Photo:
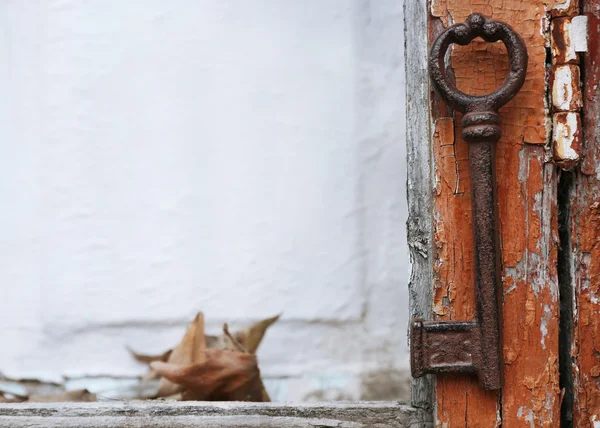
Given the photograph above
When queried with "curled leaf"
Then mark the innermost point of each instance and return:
(251, 337)
(231, 343)
(189, 351)
(234, 344)
(224, 376)
(147, 359)
(196, 351)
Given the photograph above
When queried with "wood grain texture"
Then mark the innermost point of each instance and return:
(528, 222)
(420, 220)
(585, 233)
(214, 415)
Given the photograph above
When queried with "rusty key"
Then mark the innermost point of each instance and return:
(474, 346)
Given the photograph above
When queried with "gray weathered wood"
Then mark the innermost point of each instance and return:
(218, 415)
(420, 178)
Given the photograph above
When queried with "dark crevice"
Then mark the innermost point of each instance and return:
(548, 62)
(565, 287)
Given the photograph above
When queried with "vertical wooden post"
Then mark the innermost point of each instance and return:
(420, 220)
(527, 192)
(585, 238)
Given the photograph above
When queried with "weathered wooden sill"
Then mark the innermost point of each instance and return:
(203, 414)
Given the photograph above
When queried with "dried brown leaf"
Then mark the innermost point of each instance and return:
(215, 342)
(231, 344)
(251, 337)
(78, 395)
(224, 376)
(147, 359)
(237, 346)
(189, 351)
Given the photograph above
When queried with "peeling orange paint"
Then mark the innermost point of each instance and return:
(528, 224)
(439, 10)
(585, 230)
(586, 349)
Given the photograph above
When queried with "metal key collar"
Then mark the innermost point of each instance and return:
(474, 346)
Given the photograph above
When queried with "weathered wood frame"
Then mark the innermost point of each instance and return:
(420, 179)
(549, 221)
(331, 414)
(214, 415)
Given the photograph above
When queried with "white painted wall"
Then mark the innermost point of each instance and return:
(243, 158)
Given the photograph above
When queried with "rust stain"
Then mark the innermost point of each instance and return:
(591, 85)
(562, 47)
(565, 8)
(528, 223)
(585, 229)
(566, 139)
(593, 55)
(565, 88)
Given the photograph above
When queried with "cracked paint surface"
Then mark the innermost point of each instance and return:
(585, 230)
(528, 223)
(566, 138)
(565, 88)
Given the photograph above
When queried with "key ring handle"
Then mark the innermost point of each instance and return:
(477, 25)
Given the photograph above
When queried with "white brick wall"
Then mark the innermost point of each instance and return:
(243, 158)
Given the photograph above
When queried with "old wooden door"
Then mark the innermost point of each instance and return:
(548, 180)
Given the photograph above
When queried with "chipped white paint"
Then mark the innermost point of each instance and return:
(565, 6)
(546, 318)
(569, 52)
(433, 7)
(547, 119)
(579, 33)
(241, 158)
(566, 92)
(511, 288)
(562, 88)
(545, 29)
(564, 136)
